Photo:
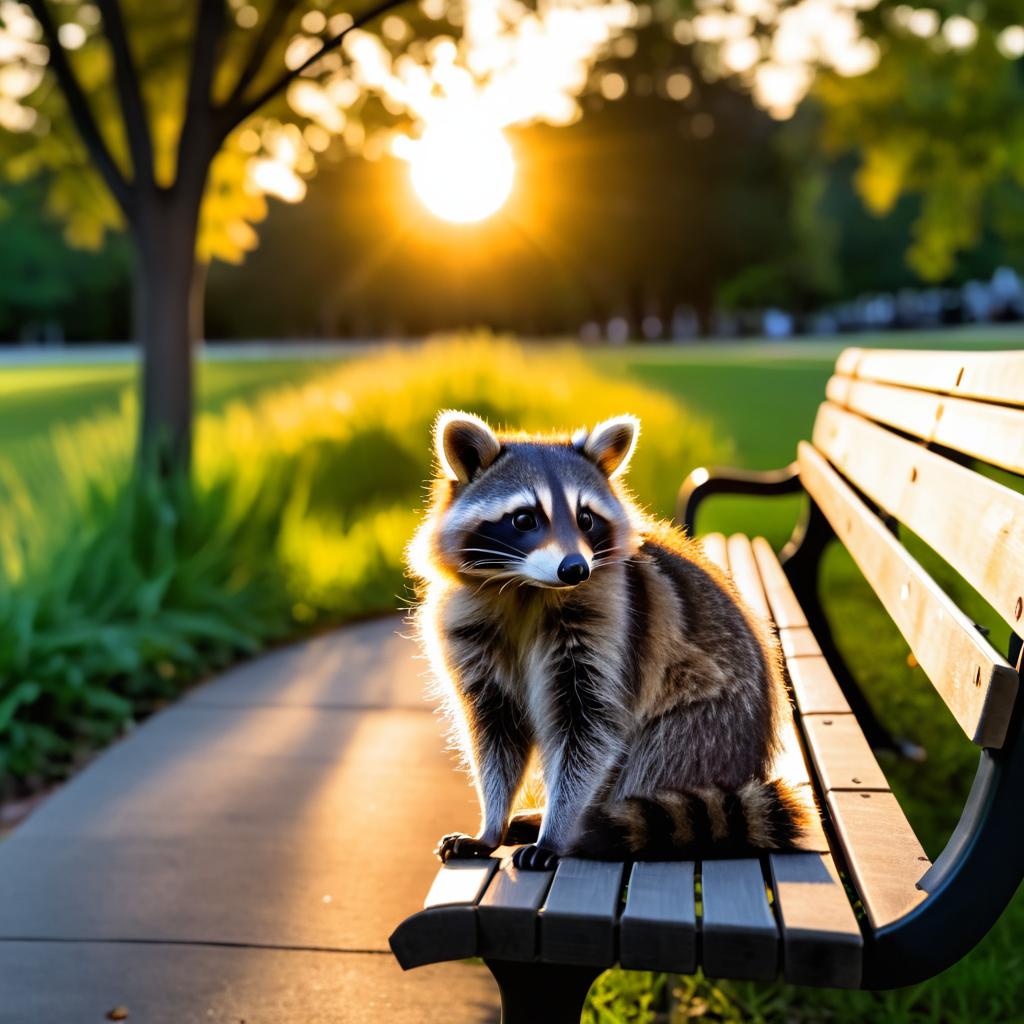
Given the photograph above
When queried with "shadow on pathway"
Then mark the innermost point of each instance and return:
(243, 855)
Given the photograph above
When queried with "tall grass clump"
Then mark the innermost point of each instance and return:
(116, 589)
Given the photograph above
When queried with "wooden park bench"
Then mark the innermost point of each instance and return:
(897, 441)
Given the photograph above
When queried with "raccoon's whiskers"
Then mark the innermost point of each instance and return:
(509, 576)
(517, 556)
(603, 563)
(505, 544)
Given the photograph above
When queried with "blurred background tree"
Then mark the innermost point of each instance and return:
(931, 98)
(115, 148)
(674, 203)
(175, 122)
(675, 200)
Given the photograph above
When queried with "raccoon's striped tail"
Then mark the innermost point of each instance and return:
(669, 825)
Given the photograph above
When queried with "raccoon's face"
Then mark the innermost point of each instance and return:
(528, 511)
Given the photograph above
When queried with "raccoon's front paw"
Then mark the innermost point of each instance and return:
(534, 858)
(459, 846)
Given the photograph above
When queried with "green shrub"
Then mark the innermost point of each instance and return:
(116, 590)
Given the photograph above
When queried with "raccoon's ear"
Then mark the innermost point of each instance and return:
(610, 444)
(465, 445)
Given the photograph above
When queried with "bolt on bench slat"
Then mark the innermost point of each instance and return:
(882, 852)
(841, 754)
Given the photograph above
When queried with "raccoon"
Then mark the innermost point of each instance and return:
(565, 623)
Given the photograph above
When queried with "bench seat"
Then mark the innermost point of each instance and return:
(781, 914)
(919, 442)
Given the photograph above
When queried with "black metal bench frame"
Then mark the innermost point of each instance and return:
(982, 865)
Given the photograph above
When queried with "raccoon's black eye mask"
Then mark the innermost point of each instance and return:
(503, 542)
(509, 540)
(599, 535)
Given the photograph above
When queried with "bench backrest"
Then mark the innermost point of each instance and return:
(901, 429)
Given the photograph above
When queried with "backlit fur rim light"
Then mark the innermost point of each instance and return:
(588, 440)
(441, 424)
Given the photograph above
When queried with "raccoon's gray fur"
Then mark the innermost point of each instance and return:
(563, 620)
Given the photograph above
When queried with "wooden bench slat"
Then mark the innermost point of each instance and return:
(714, 545)
(744, 571)
(799, 642)
(989, 376)
(790, 764)
(658, 927)
(815, 687)
(785, 607)
(460, 881)
(882, 852)
(992, 433)
(841, 753)
(821, 940)
(791, 767)
(578, 919)
(507, 913)
(739, 933)
(975, 524)
(446, 928)
(739, 936)
(976, 683)
(913, 412)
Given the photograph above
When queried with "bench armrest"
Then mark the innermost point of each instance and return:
(702, 483)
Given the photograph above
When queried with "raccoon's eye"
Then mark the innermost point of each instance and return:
(524, 520)
(585, 520)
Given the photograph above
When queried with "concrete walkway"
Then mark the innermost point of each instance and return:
(244, 855)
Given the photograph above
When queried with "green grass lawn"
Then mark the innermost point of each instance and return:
(762, 399)
(34, 398)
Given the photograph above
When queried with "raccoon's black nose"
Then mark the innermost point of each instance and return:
(573, 570)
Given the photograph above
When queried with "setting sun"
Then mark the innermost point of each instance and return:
(462, 173)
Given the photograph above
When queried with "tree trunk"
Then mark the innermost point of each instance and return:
(166, 301)
(197, 302)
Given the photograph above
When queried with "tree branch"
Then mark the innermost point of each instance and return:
(245, 108)
(133, 110)
(197, 143)
(266, 38)
(81, 112)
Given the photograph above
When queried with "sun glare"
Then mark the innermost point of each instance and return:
(462, 172)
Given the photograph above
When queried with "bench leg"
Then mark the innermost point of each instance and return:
(533, 993)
